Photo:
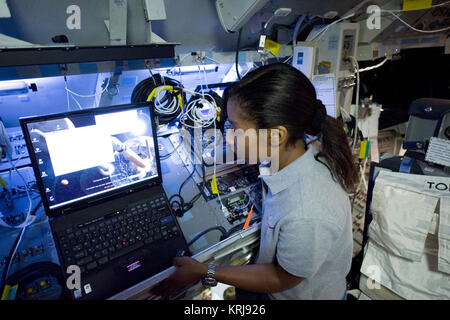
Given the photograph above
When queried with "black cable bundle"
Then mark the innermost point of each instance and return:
(144, 88)
(180, 206)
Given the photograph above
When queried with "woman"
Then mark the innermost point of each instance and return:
(306, 231)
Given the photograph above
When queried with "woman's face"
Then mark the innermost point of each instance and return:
(248, 143)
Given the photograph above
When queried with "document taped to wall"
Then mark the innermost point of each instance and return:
(326, 92)
(438, 151)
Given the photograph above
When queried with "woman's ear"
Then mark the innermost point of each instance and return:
(278, 136)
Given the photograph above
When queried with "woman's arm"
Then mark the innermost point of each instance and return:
(260, 278)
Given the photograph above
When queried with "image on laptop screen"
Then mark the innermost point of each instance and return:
(83, 155)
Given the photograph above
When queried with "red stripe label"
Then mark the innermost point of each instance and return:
(134, 266)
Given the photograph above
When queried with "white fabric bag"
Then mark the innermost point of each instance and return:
(402, 213)
(444, 236)
(409, 279)
(408, 241)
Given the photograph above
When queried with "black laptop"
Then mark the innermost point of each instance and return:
(99, 176)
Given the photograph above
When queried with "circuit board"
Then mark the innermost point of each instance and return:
(239, 204)
(228, 183)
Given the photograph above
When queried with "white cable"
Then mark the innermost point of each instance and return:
(206, 78)
(324, 30)
(222, 207)
(191, 92)
(297, 27)
(267, 23)
(78, 104)
(415, 29)
(23, 225)
(215, 61)
(27, 220)
(178, 64)
(67, 94)
(89, 95)
(169, 108)
(211, 116)
(17, 160)
(375, 66)
(201, 85)
(355, 63)
(193, 110)
(153, 77)
(194, 113)
(440, 4)
(363, 178)
(362, 170)
(286, 61)
(8, 267)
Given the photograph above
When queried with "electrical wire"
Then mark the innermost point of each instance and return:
(76, 101)
(182, 204)
(10, 258)
(237, 53)
(440, 4)
(168, 155)
(411, 27)
(288, 59)
(201, 83)
(67, 93)
(195, 110)
(248, 202)
(211, 59)
(201, 234)
(239, 227)
(296, 30)
(433, 6)
(13, 252)
(375, 66)
(169, 72)
(72, 94)
(205, 76)
(325, 29)
(362, 179)
(167, 107)
(178, 195)
(23, 226)
(363, 170)
(356, 66)
(222, 207)
(27, 220)
(171, 107)
(89, 95)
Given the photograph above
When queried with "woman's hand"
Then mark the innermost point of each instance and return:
(187, 272)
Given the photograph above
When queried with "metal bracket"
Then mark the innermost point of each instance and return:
(117, 23)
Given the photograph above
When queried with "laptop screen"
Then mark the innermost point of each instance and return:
(84, 154)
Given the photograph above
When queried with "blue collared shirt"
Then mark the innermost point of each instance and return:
(307, 228)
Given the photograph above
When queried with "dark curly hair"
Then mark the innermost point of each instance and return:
(280, 95)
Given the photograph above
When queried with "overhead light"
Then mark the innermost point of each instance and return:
(9, 88)
(193, 69)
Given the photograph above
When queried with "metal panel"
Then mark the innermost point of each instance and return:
(70, 54)
(118, 22)
(193, 23)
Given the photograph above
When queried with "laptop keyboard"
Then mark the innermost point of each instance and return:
(92, 244)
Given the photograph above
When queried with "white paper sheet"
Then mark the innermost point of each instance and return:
(326, 91)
